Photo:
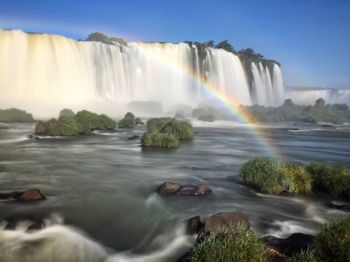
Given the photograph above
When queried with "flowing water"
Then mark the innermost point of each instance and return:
(101, 204)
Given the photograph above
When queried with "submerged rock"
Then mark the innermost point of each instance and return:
(134, 137)
(223, 220)
(29, 195)
(290, 245)
(194, 225)
(171, 188)
(339, 205)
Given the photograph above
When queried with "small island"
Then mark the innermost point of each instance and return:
(14, 115)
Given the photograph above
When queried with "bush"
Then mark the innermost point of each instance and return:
(139, 122)
(300, 179)
(331, 179)
(333, 242)
(67, 126)
(14, 115)
(83, 123)
(66, 112)
(238, 244)
(129, 121)
(155, 139)
(266, 175)
(307, 255)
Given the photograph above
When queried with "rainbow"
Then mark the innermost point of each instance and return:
(228, 102)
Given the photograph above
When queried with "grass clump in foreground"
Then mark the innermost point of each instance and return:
(300, 179)
(331, 179)
(166, 132)
(333, 242)
(83, 123)
(238, 244)
(308, 255)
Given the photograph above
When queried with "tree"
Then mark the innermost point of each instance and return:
(226, 46)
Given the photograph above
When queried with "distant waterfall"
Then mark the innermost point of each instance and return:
(41, 72)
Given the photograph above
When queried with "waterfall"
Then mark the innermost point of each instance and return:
(44, 73)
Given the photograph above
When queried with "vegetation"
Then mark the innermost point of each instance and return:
(14, 115)
(66, 112)
(100, 37)
(206, 118)
(166, 132)
(300, 179)
(238, 244)
(288, 111)
(333, 242)
(129, 121)
(308, 255)
(83, 123)
(331, 179)
(266, 175)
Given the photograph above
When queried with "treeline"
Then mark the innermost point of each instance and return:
(288, 111)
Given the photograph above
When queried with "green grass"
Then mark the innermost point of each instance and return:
(238, 244)
(155, 139)
(300, 179)
(308, 255)
(266, 175)
(333, 242)
(331, 179)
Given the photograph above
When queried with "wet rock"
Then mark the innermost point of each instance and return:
(223, 220)
(339, 205)
(194, 225)
(276, 256)
(170, 188)
(29, 195)
(33, 137)
(290, 245)
(134, 137)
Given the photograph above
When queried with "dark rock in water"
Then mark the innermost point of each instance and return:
(33, 137)
(29, 195)
(290, 245)
(194, 225)
(223, 220)
(170, 188)
(134, 137)
(339, 205)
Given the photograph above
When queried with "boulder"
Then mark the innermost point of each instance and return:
(290, 245)
(29, 195)
(170, 188)
(339, 205)
(134, 137)
(223, 220)
(194, 225)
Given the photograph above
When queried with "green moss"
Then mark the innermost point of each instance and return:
(66, 112)
(238, 244)
(14, 115)
(331, 179)
(266, 175)
(333, 242)
(300, 179)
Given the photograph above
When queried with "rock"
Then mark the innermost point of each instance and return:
(170, 188)
(290, 245)
(194, 225)
(134, 137)
(25, 196)
(222, 220)
(276, 256)
(339, 205)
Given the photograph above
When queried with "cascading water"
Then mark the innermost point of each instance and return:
(44, 73)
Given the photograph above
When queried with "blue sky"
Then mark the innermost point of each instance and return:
(311, 38)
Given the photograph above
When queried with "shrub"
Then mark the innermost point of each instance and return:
(40, 128)
(129, 121)
(139, 122)
(106, 123)
(300, 179)
(265, 174)
(67, 126)
(51, 127)
(331, 179)
(87, 121)
(238, 244)
(333, 242)
(307, 255)
(155, 139)
(66, 112)
(14, 115)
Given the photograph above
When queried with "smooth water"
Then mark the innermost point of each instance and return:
(101, 203)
